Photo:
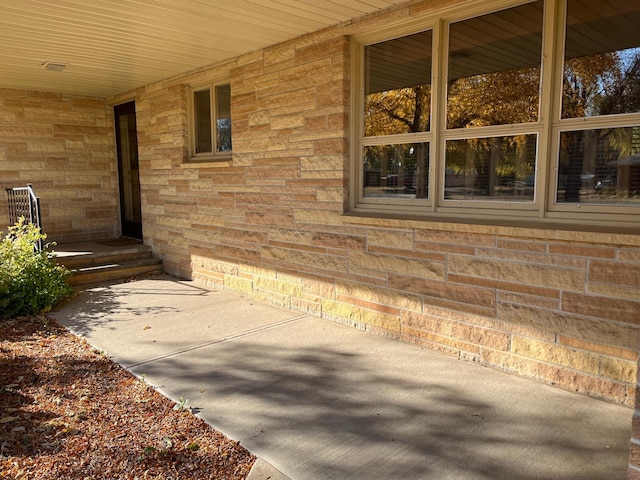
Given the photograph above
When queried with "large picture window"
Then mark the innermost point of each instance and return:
(501, 114)
(211, 122)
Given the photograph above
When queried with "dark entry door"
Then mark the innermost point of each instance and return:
(127, 147)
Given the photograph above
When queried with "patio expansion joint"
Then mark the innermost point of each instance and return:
(230, 338)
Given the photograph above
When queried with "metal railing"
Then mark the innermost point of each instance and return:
(23, 202)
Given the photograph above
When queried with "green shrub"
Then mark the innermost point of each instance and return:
(30, 281)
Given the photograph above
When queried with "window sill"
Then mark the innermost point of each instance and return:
(208, 163)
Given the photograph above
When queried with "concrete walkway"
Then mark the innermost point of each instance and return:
(317, 400)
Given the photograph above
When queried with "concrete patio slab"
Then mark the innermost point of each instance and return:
(318, 400)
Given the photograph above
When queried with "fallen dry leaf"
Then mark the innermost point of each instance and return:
(76, 415)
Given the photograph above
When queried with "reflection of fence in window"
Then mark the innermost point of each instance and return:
(599, 166)
(396, 170)
(493, 168)
(223, 132)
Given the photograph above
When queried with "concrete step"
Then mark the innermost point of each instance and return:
(116, 259)
(118, 270)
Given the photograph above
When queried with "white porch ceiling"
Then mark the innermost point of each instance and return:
(112, 46)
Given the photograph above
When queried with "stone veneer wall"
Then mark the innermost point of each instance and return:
(557, 306)
(64, 146)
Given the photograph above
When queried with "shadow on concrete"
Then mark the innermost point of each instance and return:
(348, 419)
(321, 401)
(101, 306)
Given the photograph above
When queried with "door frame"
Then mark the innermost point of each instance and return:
(129, 187)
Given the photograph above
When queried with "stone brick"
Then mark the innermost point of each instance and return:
(545, 276)
(353, 312)
(622, 370)
(279, 54)
(469, 334)
(506, 286)
(280, 220)
(608, 290)
(312, 307)
(622, 353)
(316, 216)
(391, 251)
(335, 240)
(278, 286)
(280, 122)
(535, 258)
(334, 46)
(601, 307)
(243, 235)
(434, 341)
(534, 301)
(444, 248)
(524, 245)
(319, 289)
(455, 238)
(311, 74)
(559, 355)
(425, 269)
(337, 96)
(329, 194)
(440, 289)
(237, 284)
(566, 378)
(376, 295)
(582, 250)
(237, 253)
(616, 273)
(590, 329)
(629, 256)
(394, 238)
(330, 263)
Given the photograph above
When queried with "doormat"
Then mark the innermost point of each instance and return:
(119, 242)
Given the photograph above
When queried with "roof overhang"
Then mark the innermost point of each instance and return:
(101, 48)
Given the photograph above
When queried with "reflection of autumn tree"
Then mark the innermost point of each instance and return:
(405, 110)
(624, 93)
(599, 84)
(587, 81)
(484, 162)
(499, 98)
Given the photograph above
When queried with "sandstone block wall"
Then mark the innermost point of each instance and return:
(561, 307)
(65, 147)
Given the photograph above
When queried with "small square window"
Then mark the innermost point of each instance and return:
(211, 122)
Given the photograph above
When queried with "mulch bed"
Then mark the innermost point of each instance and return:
(68, 412)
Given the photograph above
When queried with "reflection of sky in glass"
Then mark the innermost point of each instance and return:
(602, 84)
(627, 58)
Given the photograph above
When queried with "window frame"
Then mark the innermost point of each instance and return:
(213, 155)
(547, 128)
(559, 125)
